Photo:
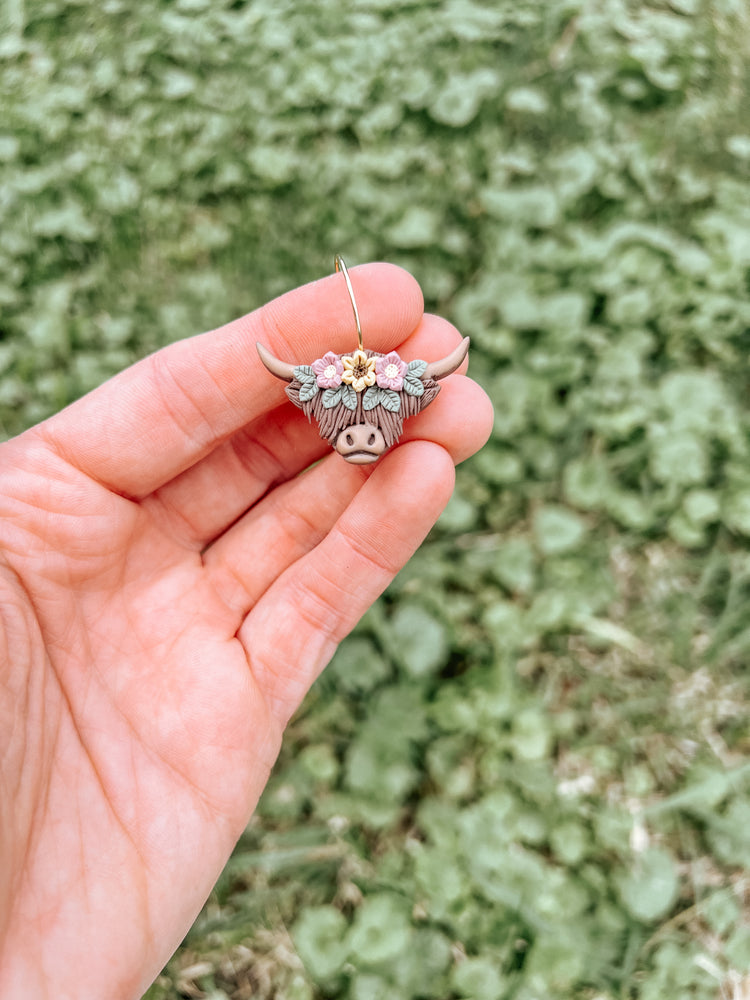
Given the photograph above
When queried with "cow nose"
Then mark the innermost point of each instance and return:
(360, 443)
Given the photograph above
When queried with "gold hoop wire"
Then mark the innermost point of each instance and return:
(338, 261)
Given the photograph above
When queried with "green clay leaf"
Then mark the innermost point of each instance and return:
(375, 396)
(417, 367)
(371, 398)
(331, 397)
(413, 384)
(304, 374)
(390, 400)
(308, 391)
(348, 397)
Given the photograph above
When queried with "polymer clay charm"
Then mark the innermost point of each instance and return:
(360, 400)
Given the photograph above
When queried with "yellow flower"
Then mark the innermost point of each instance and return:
(359, 370)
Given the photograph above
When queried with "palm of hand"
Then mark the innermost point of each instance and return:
(168, 594)
(137, 707)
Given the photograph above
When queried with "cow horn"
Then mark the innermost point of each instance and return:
(281, 369)
(440, 369)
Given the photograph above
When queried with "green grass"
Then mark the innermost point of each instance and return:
(524, 776)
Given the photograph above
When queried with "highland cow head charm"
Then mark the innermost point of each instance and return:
(360, 400)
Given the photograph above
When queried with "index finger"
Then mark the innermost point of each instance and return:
(143, 427)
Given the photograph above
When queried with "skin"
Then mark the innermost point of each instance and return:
(171, 584)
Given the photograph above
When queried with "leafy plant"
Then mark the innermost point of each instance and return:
(524, 774)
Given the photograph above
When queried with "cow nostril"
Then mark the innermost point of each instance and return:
(371, 440)
(349, 440)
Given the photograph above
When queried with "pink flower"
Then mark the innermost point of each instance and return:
(390, 371)
(328, 370)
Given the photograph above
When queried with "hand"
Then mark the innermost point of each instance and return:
(170, 587)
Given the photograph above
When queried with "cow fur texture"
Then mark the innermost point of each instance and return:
(336, 419)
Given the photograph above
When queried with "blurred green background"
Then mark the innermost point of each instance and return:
(525, 775)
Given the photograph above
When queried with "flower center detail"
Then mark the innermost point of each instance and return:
(330, 372)
(391, 371)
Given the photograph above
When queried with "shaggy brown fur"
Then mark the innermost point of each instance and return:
(331, 422)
